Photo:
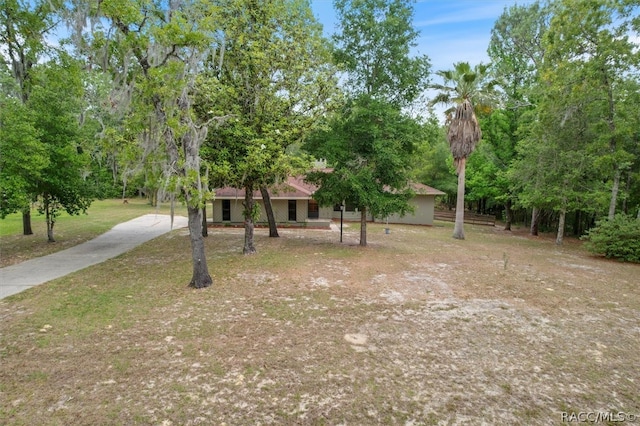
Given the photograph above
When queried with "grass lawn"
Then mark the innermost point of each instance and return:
(417, 328)
(68, 230)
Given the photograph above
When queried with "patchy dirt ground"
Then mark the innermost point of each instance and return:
(415, 329)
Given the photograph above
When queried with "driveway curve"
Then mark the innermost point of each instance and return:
(120, 239)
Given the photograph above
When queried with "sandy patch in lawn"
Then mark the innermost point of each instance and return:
(492, 330)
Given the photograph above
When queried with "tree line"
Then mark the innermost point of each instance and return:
(179, 97)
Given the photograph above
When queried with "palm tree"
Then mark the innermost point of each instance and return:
(464, 86)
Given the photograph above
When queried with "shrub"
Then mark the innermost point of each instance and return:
(617, 239)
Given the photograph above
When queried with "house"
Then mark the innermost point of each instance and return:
(293, 205)
(423, 203)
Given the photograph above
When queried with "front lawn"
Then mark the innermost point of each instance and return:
(417, 328)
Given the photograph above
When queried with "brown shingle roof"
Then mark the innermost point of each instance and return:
(293, 188)
(297, 188)
(423, 189)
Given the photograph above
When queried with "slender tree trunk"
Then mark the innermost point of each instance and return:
(49, 218)
(561, 220)
(614, 192)
(612, 144)
(124, 190)
(508, 214)
(625, 206)
(249, 203)
(205, 228)
(266, 198)
(535, 219)
(363, 227)
(458, 229)
(26, 221)
(201, 277)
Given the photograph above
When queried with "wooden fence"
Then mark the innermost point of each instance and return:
(469, 217)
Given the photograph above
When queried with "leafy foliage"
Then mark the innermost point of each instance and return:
(369, 145)
(373, 48)
(55, 101)
(617, 238)
(275, 81)
(432, 163)
(23, 158)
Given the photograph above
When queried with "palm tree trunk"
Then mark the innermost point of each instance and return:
(458, 229)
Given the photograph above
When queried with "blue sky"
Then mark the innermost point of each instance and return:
(450, 30)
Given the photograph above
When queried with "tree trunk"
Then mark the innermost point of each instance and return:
(205, 228)
(535, 218)
(614, 192)
(363, 227)
(201, 277)
(191, 142)
(458, 229)
(560, 234)
(249, 203)
(26, 221)
(508, 215)
(49, 219)
(625, 206)
(266, 198)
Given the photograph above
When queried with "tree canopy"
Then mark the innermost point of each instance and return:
(275, 82)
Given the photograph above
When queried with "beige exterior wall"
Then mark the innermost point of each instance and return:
(326, 212)
(236, 211)
(350, 216)
(423, 215)
(424, 206)
(280, 210)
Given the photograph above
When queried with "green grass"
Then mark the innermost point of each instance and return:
(68, 230)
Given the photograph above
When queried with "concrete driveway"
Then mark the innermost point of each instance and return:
(120, 239)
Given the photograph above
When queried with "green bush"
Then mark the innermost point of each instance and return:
(617, 239)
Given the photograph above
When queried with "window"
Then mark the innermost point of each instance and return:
(349, 207)
(314, 210)
(226, 209)
(293, 216)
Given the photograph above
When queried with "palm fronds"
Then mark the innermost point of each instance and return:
(464, 132)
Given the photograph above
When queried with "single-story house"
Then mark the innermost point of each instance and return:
(293, 205)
